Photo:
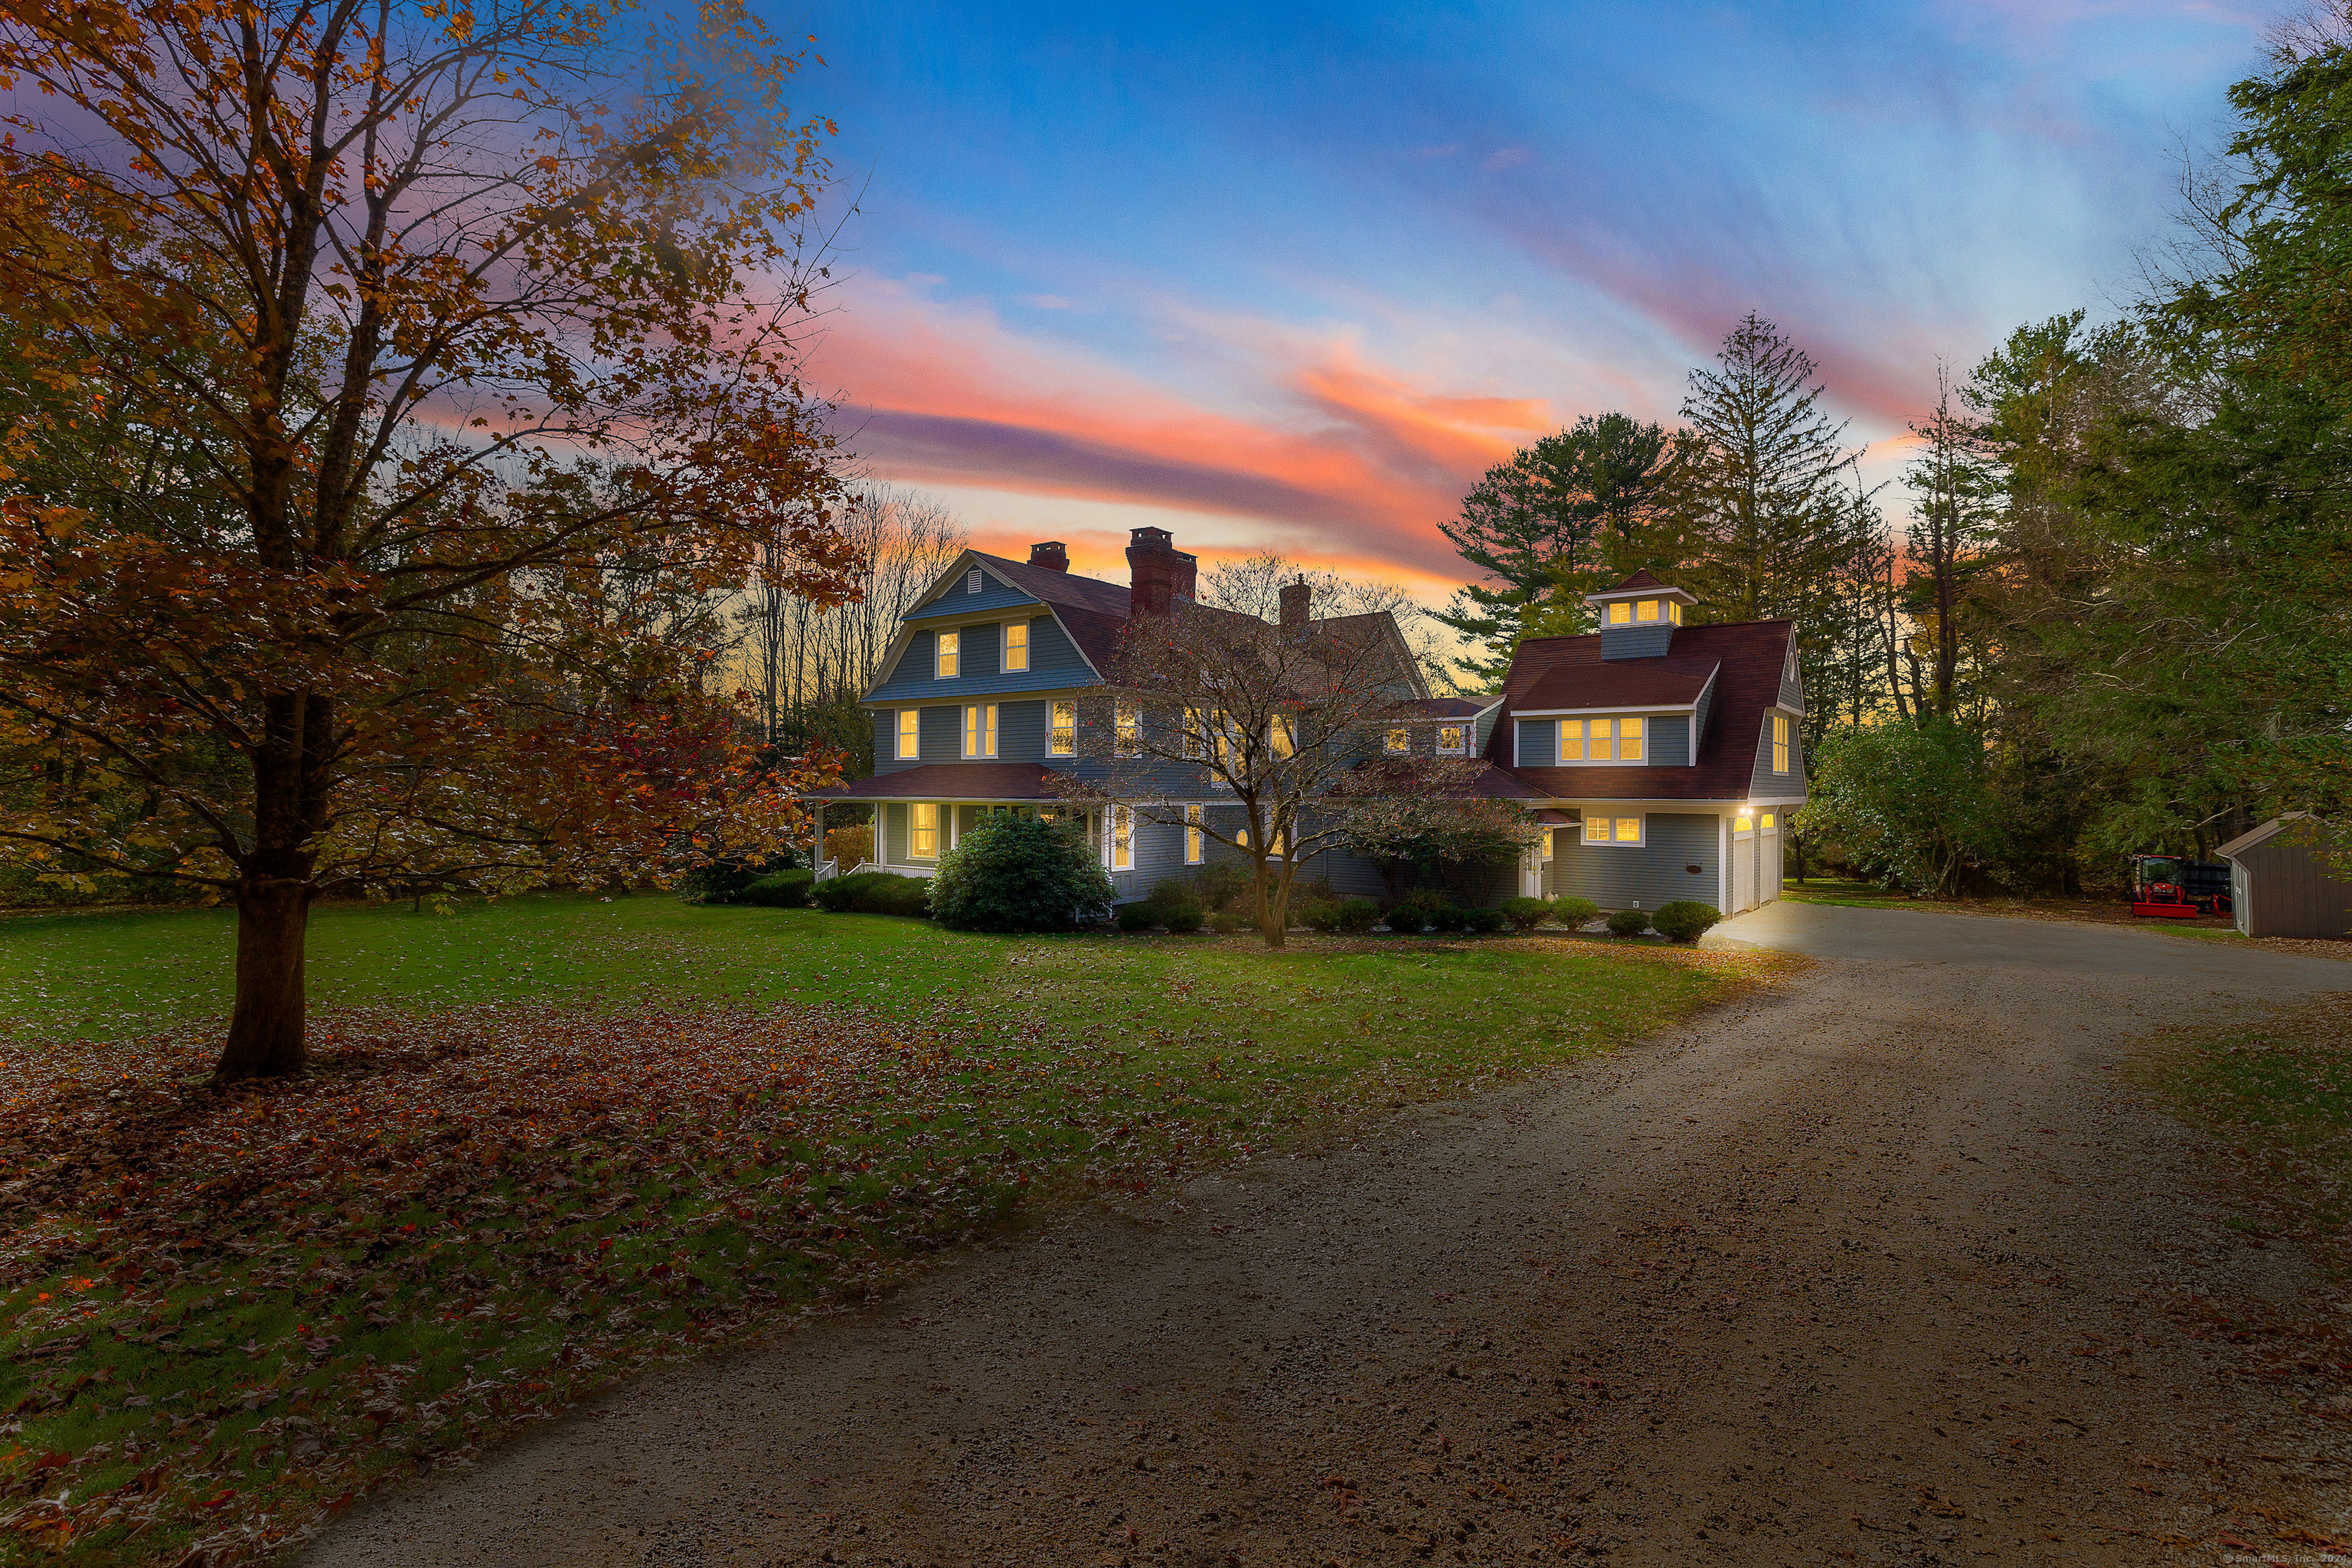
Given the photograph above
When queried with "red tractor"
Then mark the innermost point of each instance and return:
(2170, 888)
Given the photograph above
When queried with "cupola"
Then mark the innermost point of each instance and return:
(1638, 617)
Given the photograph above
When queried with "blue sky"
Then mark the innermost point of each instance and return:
(1295, 277)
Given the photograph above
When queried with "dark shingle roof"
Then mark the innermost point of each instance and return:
(1448, 706)
(1750, 653)
(951, 780)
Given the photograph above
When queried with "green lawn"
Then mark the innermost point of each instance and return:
(2281, 1093)
(551, 1140)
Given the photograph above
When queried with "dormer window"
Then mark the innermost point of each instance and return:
(951, 656)
(1451, 740)
(1647, 610)
(1780, 742)
(971, 581)
(1621, 614)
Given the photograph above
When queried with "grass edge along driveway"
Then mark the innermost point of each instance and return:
(232, 1312)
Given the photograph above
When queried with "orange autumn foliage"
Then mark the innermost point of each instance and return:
(393, 382)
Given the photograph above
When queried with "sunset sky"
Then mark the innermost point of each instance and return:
(1288, 275)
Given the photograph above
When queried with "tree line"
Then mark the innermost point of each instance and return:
(2119, 616)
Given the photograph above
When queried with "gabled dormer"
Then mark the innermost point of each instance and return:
(1638, 617)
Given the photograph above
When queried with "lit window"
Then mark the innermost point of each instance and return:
(971, 581)
(1596, 830)
(1122, 839)
(1629, 830)
(1621, 614)
(1647, 610)
(1780, 742)
(926, 835)
(1196, 843)
(1274, 845)
(1628, 740)
(1061, 739)
(1241, 837)
(1572, 740)
(1449, 741)
(1016, 644)
(1767, 823)
(1130, 731)
(1196, 734)
(979, 730)
(1547, 843)
(1400, 742)
(1604, 742)
(910, 736)
(1674, 611)
(951, 652)
(1282, 734)
(1744, 822)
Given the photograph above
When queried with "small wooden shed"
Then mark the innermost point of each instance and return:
(2281, 884)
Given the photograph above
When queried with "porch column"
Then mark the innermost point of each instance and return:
(816, 845)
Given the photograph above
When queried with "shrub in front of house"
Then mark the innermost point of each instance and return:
(874, 893)
(1220, 885)
(1321, 915)
(1685, 920)
(1357, 916)
(1573, 912)
(781, 890)
(1227, 922)
(1628, 922)
(1483, 921)
(1417, 911)
(1137, 916)
(727, 879)
(1019, 873)
(1182, 919)
(1524, 915)
(1448, 919)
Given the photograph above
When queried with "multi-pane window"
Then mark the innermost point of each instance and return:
(1282, 734)
(1647, 610)
(1400, 742)
(1629, 830)
(1450, 741)
(1196, 734)
(1122, 839)
(910, 733)
(979, 730)
(924, 839)
(1629, 740)
(1129, 739)
(1572, 740)
(1196, 842)
(1062, 735)
(1603, 734)
(951, 656)
(1612, 829)
(1621, 614)
(1274, 845)
(1674, 611)
(1016, 644)
(1780, 742)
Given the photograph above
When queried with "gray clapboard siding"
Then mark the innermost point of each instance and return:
(1055, 665)
(1669, 740)
(954, 599)
(1620, 876)
(1763, 783)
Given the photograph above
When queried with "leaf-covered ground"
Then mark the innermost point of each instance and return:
(231, 1310)
(2282, 1093)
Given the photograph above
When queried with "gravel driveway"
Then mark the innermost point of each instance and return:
(1877, 1268)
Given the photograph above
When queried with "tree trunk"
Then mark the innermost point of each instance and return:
(264, 1029)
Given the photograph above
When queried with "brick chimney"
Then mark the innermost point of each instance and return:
(1295, 597)
(1051, 554)
(1159, 575)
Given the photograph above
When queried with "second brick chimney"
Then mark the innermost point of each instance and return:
(1159, 575)
(1296, 599)
(1051, 554)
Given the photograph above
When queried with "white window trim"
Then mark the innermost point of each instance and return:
(1196, 834)
(1461, 751)
(1053, 749)
(1645, 714)
(979, 719)
(1005, 648)
(899, 737)
(912, 854)
(1612, 841)
(938, 653)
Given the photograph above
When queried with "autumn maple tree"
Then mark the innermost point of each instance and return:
(385, 380)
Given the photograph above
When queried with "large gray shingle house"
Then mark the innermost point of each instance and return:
(1661, 758)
